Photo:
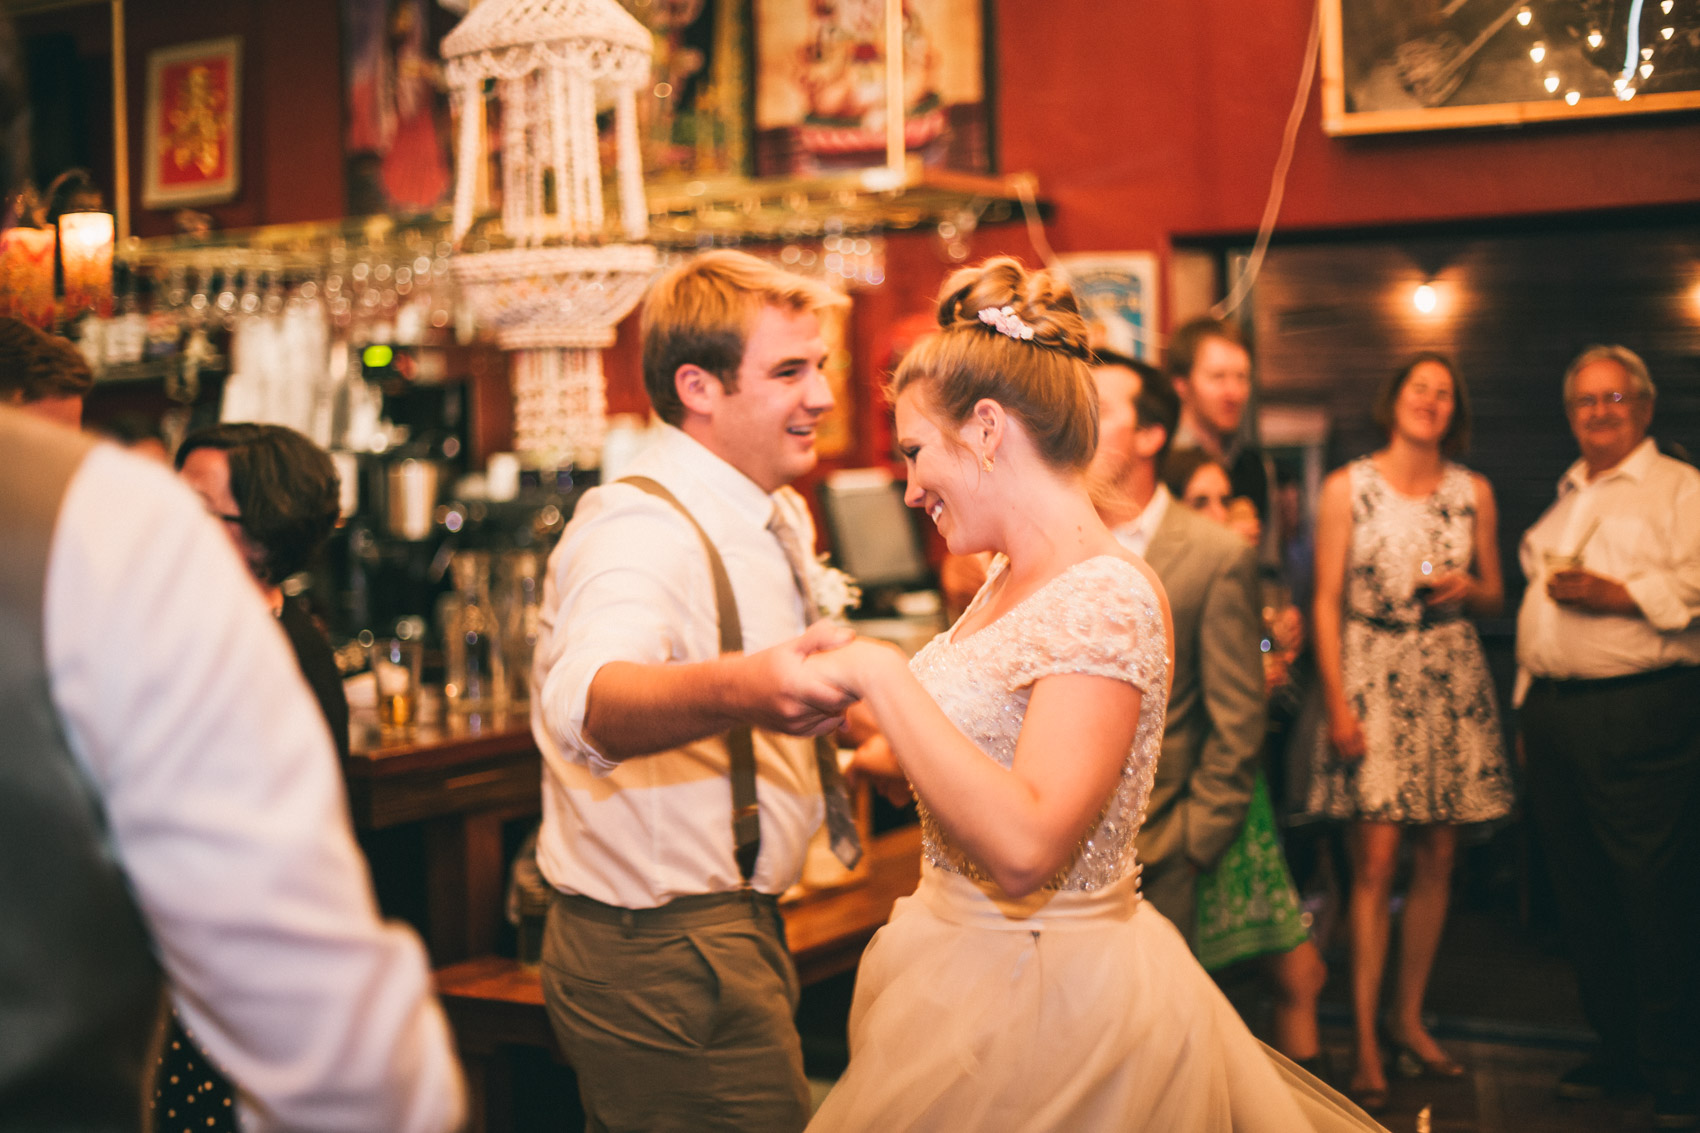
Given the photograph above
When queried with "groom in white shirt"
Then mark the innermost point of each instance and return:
(665, 969)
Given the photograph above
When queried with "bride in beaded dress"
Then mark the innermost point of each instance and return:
(1025, 985)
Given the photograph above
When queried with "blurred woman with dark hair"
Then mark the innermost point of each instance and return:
(275, 491)
(276, 494)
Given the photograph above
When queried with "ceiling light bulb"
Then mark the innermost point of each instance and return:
(1538, 51)
(1424, 298)
(1524, 16)
(1572, 97)
(1595, 38)
(1552, 83)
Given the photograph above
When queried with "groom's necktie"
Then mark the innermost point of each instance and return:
(840, 823)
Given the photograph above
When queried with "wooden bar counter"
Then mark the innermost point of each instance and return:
(461, 778)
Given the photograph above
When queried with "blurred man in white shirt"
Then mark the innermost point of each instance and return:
(1608, 683)
(172, 814)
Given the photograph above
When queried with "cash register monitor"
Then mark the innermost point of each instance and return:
(873, 534)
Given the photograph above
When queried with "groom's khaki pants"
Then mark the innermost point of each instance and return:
(677, 1018)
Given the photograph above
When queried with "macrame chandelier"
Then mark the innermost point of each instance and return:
(565, 274)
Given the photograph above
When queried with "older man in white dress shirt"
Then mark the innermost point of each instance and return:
(665, 968)
(1608, 652)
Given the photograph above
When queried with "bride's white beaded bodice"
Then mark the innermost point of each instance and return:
(1099, 617)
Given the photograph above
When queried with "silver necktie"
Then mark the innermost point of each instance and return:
(840, 822)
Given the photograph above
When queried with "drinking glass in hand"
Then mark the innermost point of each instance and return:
(1422, 589)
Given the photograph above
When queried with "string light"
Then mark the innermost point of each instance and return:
(1666, 6)
(1618, 84)
(1572, 97)
(1666, 33)
(1538, 51)
(1646, 53)
(1595, 38)
(1524, 16)
(1646, 70)
(1552, 82)
(1425, 298)
(1626, 93)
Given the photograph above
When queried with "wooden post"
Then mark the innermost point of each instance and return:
(120, 127)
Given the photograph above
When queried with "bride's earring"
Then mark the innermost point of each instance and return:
(986, 461)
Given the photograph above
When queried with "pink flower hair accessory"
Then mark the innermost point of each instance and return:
(1005, 321)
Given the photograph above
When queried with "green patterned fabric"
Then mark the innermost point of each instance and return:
(1248, 905)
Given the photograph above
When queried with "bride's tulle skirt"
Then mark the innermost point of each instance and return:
(1062, 1011)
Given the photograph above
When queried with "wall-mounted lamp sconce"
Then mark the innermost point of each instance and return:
(72, 204)
(1425, 298)
(26, 275)
(85, 252)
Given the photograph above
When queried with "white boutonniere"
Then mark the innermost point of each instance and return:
(832, 589)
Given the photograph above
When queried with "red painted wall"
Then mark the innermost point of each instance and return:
(292, 117)
(1150, 118)
(1143, 119)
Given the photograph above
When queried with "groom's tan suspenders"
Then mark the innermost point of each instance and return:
(746, 820)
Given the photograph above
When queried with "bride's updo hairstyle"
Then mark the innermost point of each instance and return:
(1015, 336)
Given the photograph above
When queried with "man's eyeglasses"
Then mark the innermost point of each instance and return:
(1590, 401)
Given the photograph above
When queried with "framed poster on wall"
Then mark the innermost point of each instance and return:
(821, 94)
(695, 120)
(1117, 293)
(396, 147)
(193, 143)
(1396, 65)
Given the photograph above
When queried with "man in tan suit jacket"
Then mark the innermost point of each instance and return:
(1215, 724)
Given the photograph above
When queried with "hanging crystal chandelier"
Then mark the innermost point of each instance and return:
(565, 273)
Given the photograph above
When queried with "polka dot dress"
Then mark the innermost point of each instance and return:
(190, 1095)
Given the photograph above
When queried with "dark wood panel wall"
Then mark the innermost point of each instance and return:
(1333, 320)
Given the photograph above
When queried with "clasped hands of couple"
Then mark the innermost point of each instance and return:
(815, 685)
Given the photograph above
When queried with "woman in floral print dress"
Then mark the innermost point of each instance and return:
(1405, 549)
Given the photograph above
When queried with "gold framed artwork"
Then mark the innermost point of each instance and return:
(194, 106)
(820, 93)
(397, 154)
(1400, 65)
(695, 121)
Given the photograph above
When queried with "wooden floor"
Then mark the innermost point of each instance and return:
(1508, 1090)
(1504, 1003)
(1503, 1000)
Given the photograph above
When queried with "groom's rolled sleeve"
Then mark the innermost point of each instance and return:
(625, 575)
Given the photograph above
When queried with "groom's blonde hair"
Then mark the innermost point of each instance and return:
(700, 314)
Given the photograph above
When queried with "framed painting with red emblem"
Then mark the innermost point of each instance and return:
(194, 110)
(821, 88)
